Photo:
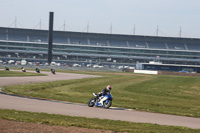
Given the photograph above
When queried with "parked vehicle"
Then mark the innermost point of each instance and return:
(76, 65)
(23, 62)
(11, 62)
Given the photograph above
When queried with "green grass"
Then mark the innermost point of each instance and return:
(4, 73)
(92, 123)
(164, 94)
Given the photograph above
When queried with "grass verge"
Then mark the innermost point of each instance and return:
(4, 73)
(92, 123)
(164, 94)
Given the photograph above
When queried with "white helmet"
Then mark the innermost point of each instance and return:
(109, 87)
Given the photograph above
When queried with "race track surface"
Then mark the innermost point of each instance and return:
(72, 109)
(5, 81)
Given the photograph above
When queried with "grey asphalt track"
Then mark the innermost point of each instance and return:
(66, 108)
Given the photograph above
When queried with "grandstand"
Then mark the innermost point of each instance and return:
(31, 44)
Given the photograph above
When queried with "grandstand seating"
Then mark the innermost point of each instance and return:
(176, 46)
(62, 40)
(193, 46)
(16, 37)
(99, 39)
(157, 45)
(117, 43)
(37, 38)
(3, 36)
(121, 48)
(98, 42)
(137, 44)
(78, 40)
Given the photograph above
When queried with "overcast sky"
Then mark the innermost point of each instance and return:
(169, 15)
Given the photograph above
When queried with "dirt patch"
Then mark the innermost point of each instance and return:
(7, 126)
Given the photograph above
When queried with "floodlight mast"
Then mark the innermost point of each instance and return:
(50, 38)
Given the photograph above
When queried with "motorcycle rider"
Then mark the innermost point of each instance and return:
(104, 92)
(37, 70)
(6, 68)
(53, 71)
(23, 69)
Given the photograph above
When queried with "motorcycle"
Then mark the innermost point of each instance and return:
(96, 101)
(37, 70)
(23, 69)
(6, 68)
(53, 71)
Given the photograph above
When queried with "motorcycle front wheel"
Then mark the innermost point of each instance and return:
(91, 102)
(107, 104)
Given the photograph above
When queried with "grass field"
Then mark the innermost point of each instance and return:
(4, 73)
(92, 123)
(164, 94)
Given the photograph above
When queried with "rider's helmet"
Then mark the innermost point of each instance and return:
(109, 87)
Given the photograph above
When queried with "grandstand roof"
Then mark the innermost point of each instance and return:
(104, 35)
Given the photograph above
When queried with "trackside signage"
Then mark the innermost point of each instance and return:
(145, 71)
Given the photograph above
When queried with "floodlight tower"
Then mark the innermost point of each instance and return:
(50, 37)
